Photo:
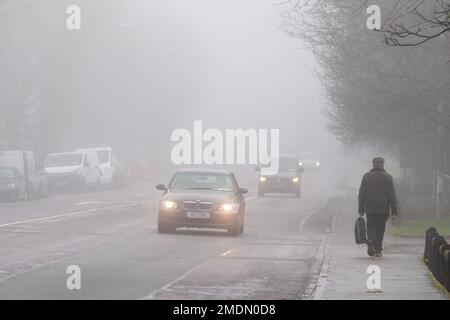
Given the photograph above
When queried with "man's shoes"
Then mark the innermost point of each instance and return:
(378, 254)
(370, 249)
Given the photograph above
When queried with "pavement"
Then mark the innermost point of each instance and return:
(344, 272)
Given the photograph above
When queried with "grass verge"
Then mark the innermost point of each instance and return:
(418, 227)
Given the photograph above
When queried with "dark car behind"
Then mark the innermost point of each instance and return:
(286, 180)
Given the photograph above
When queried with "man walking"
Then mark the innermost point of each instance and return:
(377, 199)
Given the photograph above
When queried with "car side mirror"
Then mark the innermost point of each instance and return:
(161, 187)
(243, 190)
(257, 169)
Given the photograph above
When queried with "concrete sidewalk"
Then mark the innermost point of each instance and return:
(343, 273)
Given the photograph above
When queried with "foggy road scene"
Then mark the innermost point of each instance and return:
(224, 150)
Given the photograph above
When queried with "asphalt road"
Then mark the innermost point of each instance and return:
(111, 235)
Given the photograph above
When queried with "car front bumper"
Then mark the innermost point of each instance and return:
(179, 218)
(275, 186)
(8, 193)
(64, 181)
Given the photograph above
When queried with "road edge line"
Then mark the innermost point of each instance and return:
(317, 285)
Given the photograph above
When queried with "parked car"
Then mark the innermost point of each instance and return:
(13, 186)
(113, 173)
(286, 180)
(139, 170)
(24, 162)
(202, 198)
(73, 170)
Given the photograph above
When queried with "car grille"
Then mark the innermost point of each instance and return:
(280, 180)
(198, 205)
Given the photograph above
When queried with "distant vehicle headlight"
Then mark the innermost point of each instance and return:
(317, 163)
(169, 204)
(296, 179)
(228, 208)
(300, 164)
(77, 171)
(11, 186)
(262, 179)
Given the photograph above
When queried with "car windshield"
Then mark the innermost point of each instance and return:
(103, 156)
(308, 156)
(63, 160)
(6, 173)
(202, 181)
(288, 165)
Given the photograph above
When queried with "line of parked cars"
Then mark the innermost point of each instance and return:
(81, 170)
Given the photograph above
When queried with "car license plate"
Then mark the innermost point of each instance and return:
(198, 215)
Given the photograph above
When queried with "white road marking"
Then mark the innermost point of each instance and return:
(140, 194)
(71, 214)
(153, 294)
(302, 222)
(85, 203)
(228, 252)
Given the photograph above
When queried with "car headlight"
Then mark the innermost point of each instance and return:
(166, 204)
(262, 179)
(317, 163)
(11, 186)
(296, 179)
(228, 208)
(76, 171)
(300, 164)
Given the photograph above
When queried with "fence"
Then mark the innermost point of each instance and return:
(436, 256)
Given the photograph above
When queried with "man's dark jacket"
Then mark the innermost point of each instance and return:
(377, 193)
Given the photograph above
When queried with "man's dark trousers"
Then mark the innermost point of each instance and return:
(376, 225)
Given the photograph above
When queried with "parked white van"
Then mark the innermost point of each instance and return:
(113, 173)
(76, 170)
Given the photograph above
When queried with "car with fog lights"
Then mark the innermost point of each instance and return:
(310, 162)
(286, 180)
(202, 198)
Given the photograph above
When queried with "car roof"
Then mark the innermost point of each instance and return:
(9, 168)
(62, 153)
(15, 171)
(204, 170)
(94, 149)
(287, 156)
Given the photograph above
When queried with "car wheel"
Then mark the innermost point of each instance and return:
(82, 186)
(241, 228)
(165, 228)
(97, 186)
(15, 196)
(44, 192)
(234, 229)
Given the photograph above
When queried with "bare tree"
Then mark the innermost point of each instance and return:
(376, 95)
(415, 22)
